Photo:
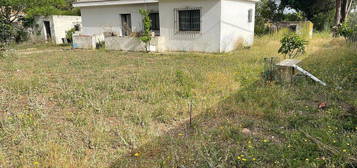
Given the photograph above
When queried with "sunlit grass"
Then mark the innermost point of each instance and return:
(77, 108)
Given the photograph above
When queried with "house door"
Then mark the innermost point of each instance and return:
(126, 24)
(48, 30)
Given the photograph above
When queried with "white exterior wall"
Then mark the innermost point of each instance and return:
(58, 24)
(208, 40)
(99, 19)
(235, 28)
(61, 24)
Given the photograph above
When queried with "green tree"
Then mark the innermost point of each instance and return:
(292, 45)
(12, 11)
(267, 11)
(317, 11)
(146, 35)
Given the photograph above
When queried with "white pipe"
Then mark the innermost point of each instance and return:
(309, 74)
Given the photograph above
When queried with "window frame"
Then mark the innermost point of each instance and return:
(250, 16)
(158, 21)
(177, 20)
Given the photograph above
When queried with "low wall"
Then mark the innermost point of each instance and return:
(86, 42)
(129, 44)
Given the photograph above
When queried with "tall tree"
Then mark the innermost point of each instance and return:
(338, 12)
(310, 8)
(345, 9)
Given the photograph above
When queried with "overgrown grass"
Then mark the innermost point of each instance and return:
(76, 108)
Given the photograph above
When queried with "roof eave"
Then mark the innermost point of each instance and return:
(111, 2)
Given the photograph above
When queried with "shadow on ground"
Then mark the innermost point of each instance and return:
(272, 113)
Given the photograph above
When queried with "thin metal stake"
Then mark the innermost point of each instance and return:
(190, 111)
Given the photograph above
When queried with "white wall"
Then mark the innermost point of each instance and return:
(58, 24)
(101, 19)
(61, 24)
(207, 40)
(235, 29)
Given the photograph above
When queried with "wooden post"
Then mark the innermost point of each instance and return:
(190, 111)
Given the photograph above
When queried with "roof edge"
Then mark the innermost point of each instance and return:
(111, 2)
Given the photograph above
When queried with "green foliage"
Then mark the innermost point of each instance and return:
(69, 34)
(310, 8)
(146, 35)
(23, 11)
(345, 30)
(186, 84)
(267, 11)
(348, 29)
(7, 32)
(292, 45)
(320, 12)
(100, 45)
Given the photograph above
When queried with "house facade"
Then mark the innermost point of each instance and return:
(179, 25)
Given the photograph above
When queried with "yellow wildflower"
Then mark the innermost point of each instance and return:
(36, 163)
(244, 159)
(265, 141)
(344, 150)
(180, 134)
(254, 159)
(137, 154)
(238, 157)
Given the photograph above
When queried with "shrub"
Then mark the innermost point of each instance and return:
(292, 45)
(69, 35)
(348, 29)
(146, 35)
(100, 45)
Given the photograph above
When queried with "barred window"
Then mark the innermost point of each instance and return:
(189, 20)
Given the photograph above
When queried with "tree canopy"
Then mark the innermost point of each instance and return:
(310, 8)
(11, 10)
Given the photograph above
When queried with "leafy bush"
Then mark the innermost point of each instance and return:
(348, 29)
(146, 35)
(69, 35)
(100, 45)
(292, 45)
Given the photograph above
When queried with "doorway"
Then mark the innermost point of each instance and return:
(126, 24)
(47, 29)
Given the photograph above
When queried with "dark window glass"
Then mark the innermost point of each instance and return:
(250, 15)
(155, 21)
(190, 20)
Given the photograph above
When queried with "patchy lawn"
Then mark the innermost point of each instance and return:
(77, 108)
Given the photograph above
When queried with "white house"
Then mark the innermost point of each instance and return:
(180, 25)
(53, 28)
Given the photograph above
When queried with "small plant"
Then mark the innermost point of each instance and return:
(100, 45)
(146, 35)
(69, 35)
(292, 45)
(348, 31)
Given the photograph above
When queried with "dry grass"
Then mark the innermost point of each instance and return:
(76, 108)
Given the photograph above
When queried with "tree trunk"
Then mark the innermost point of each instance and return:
(338, 12)
(345, 9)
